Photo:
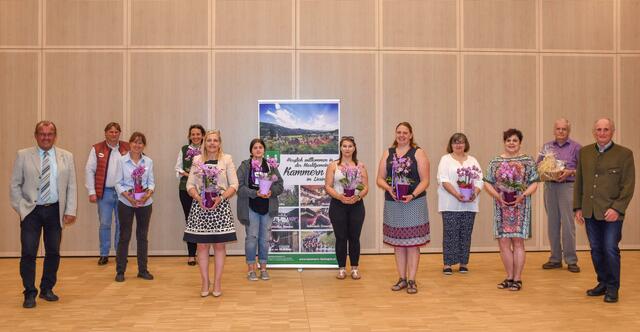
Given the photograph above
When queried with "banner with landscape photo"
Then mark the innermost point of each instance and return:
(304, 136)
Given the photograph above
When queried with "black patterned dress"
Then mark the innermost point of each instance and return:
(210, 226)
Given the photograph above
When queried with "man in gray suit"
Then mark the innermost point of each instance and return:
(43, 192)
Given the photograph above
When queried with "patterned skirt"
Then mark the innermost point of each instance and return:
(210, 226)
(406, 225)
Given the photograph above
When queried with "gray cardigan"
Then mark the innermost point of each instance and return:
(245, 193)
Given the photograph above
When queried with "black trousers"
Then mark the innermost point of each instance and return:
(143, 218)
(347, 220)
(186, 202)
(45, 218)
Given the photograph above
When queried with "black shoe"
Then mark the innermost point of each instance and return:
(599, 290)
(447, 271)
(611, 296)
(48, 295)
(145, 275)
(573, 268)
(103, 260)
(29, 301)
(120, 277)
(552, 265)
(191, 262)
(463, 269)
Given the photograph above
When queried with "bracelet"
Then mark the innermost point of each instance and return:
(412, 195)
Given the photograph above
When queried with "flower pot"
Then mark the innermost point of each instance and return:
(209, 198)
(264, 186)
(402, 189)
(467, 193)
(348, 192)
(509, 196)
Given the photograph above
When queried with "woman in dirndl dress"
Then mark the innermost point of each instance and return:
(211, 227)
(406, 218)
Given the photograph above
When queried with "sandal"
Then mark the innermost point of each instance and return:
(355, 275)
(412, 287)
(516, 285)
(401, 284)
(342, 273)
(506, 283)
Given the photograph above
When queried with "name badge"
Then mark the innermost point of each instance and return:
(100, 155)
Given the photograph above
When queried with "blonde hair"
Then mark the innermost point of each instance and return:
(205, 155)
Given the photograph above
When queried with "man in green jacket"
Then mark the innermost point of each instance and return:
(604, 187)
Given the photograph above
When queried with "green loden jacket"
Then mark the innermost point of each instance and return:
(603, 180)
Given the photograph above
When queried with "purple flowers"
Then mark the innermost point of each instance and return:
(466, 176)
(400, 168)
(256, 167)
(192, 152)
(352, 179)
(509, 177)
(136, 176)
(209, 175)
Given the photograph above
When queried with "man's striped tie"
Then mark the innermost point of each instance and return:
(45, 176)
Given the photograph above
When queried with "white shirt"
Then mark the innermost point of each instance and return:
(92, 164)
(448, 172)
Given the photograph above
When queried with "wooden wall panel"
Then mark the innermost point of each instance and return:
(19, 23)
(580, 88)
(84, 23)
(251, 23)
(419, 24)
(241, 79)
(422, 89)
(170, 23)
(386, 60)
(578, 25)
(490, 106)
(499, 24)
(337, 23)
(627, 127)
(629, 27)
(19, 90)
(168, 92)
(83, 91)
(350, 77)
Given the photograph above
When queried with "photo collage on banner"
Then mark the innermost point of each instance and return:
(303, 136)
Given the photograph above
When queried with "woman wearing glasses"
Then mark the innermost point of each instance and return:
(210, 223)
(403, 173)
(460, 181)
(346, 182)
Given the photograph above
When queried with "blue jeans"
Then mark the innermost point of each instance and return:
(258, 232)
(107, 211)
(605, 254)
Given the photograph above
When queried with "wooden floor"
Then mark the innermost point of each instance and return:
(313, 300)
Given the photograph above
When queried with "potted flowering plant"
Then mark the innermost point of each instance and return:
(265, 180)
(192, 152)
(210, 189)
(136, 175)
(352, 179)
(466, 176)
(400, 181)
(510, 180)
